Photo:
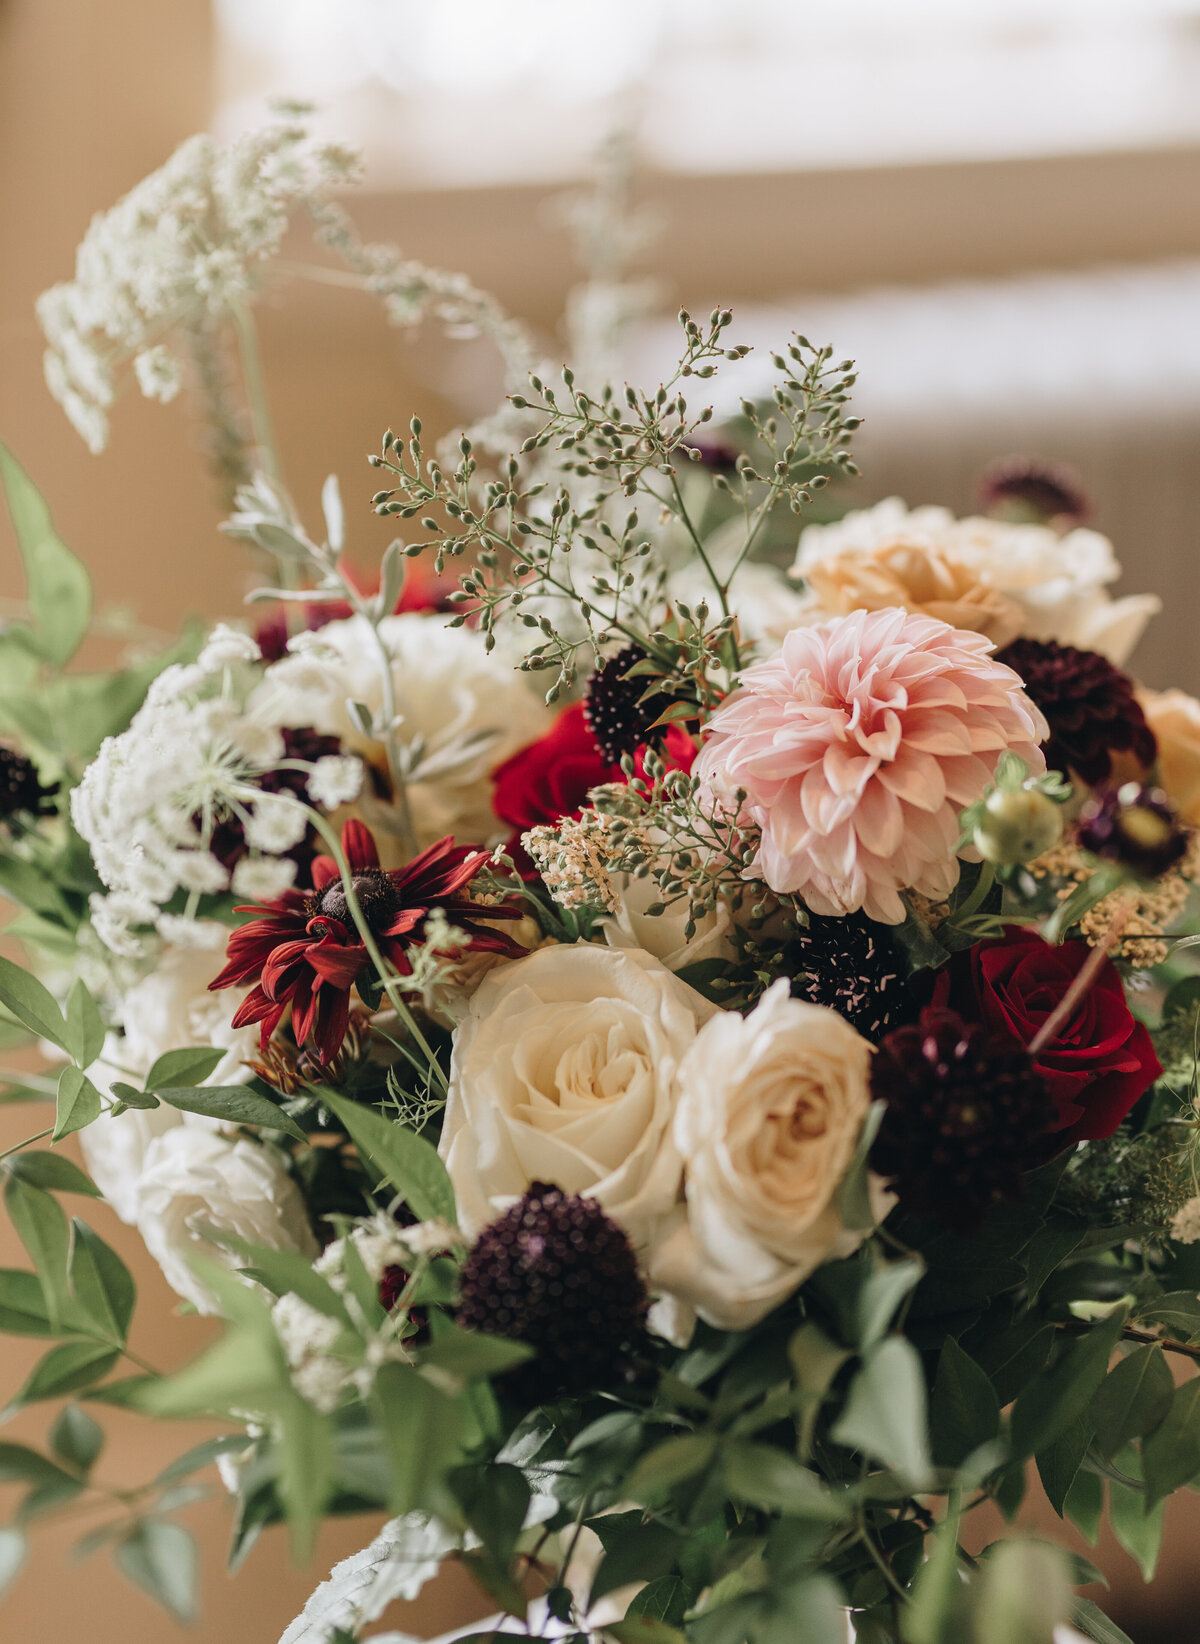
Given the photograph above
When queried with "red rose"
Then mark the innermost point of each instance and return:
(552, 777)
(1100, 1060)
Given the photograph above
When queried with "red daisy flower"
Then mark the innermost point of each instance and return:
(305, 951)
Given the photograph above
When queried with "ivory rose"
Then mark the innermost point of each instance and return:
(1174, 717)
(771, 1107)
(564, 1071)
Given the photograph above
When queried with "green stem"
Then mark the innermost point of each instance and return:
(28, 1142)
(256, 393)
(386, 974)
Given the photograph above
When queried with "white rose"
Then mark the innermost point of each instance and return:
(196, 1184)
(1060, 583)
(664, 936)
(461, 710)
(564, 1071)
(768, 1121)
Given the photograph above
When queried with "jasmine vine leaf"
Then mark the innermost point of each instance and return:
(53, 1171)
(78, 1103)
(12, 1555)
(236, 1103)
(406, 1160)
(1171, 1454)
(964, 1409)
(161, 1559)
(59, 589)
(1132, 1399)
(101, 1283)
(885, 1415)
(32, 1004)
(22, 1304)
(179, 1069)
(76, 1438)
(42, 1229)
(84, 1027)
(768, 1477)
(1138, 1525)
(67, 1369)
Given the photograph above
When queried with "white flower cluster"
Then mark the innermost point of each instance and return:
(182, 248)
(1058, 583)
(192, 757)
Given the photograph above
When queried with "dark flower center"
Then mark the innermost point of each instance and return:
(375, 892)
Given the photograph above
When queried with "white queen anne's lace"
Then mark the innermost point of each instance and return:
(182, 248)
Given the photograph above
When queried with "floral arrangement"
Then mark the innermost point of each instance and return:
(678, 1073)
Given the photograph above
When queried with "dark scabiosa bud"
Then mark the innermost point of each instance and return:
(612, 706)
(558, 1274)
(1088, 703)
(1135, 826)
(849, 965)
(718, 455)
(21, 791)
(966, 1115)
(1026, 492)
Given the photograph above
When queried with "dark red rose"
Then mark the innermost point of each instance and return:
(552, 777)
(1100, 1060)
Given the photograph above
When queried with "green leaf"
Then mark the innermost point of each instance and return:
(1054, 1400)
(667, 1598)
(964, 1411)
(12, 1556)
(85, 1029)
(234, 1103)
(30, 888)
(772, 1479)
(42, 1229)
(1084, 1505)
(815, 1360)
(470, 1353)
(885, 1412)
(422, 1430)
(854, 1194)
(1024, 1593)
(1060, 1460)
(881, 1295)
(670, 1463)
(1048, 1251)
(1132, 1399)
(59, 591)
(161, 1559)
(101, 1283)
(20, 1464)
(22, 1304)
(180, 1069)
(76, 1438)
(67, 1369)
(641, 1552)
(644, 1629)
(52, 1171)
(1171, 1454)
(936, 1583)
(1137, 1525)
(406, 1160)
(31, 1003)
(1092, 1621)
(78, 1105)
(284, 1272)
(494, 1499)
(813, 1610)
(303, 1456)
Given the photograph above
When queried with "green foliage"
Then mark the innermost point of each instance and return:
(59, 590)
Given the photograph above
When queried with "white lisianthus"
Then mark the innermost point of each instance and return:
(769, 1117)
(197, 1185)
(665, 935)
(460, 710)
(1059, 583)
(115, 1146)
(565, 1071)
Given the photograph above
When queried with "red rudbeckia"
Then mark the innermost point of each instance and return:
(305, 951)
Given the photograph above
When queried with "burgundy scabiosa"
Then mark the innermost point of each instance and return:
(304, 951)
(850, 965)
(558, 1274)
(966, 1114)
(1088, 703)
(1025, 491)
(1134, 825)
(21, 789)
(613, 707)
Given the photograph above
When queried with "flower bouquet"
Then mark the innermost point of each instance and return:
(679, 1078)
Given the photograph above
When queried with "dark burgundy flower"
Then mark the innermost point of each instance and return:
(613, 708)
(714, 452)
(21, 789)
(228, 839)
(304, 951)
(557, 1273)
(1088, 703)
(966, 1116)
(1135, 826)
(423, 590)
(849, 965)
(1098, 1062)
(1029, 492)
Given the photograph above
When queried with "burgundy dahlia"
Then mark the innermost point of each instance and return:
(21, 790)
(304, 951)
(558, 1274)
(1135, 826)
(1088, 703)
(228, 840)
(1028, 492)
(966, 1115)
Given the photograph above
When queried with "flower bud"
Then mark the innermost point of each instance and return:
(1017, 825)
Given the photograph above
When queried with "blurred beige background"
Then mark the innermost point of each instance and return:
(984, 262)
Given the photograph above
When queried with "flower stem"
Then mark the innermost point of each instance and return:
(28, 1142)
(256, 393)
(1084, 980)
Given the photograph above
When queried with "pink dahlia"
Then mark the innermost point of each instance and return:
(857, 744)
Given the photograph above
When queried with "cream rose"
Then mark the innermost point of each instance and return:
(770, 1112)
(1174, 717)
(196, 1185)
(564, 1070)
